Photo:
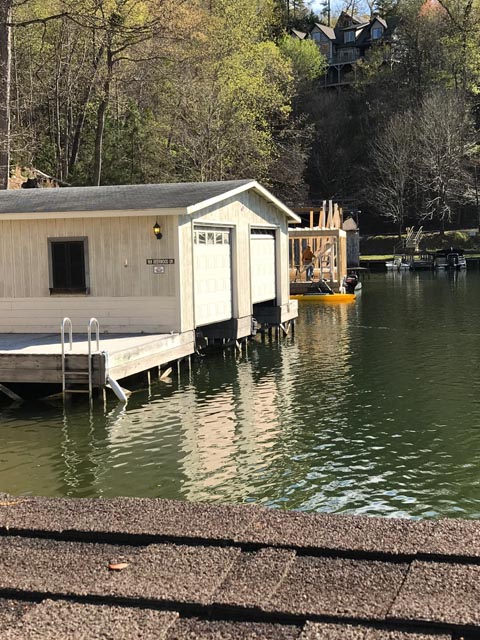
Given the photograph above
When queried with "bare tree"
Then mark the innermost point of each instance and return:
(5, 82)
(393, 157)
(446, 140)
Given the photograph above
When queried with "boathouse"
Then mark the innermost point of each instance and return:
(174, 260)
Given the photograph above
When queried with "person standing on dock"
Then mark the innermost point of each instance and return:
(308, 260)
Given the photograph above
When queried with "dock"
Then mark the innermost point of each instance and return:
(33, 358)
(151, 568)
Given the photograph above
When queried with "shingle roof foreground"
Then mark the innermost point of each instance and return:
(114, 198)
(231, 572)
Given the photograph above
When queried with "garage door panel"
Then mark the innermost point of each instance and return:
(262, 257)
(212, 276)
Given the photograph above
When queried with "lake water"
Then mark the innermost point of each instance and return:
(370, 408)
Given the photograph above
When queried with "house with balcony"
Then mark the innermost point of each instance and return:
(347, 43)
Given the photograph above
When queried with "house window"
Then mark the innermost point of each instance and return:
(316, 36)
(377, 33)
(68, 266)
(349, 36)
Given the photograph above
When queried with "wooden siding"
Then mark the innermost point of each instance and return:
(115, 315)
(125, 293)
(112, 242)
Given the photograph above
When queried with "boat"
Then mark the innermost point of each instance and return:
(322, 292)
(398, 263)
(320, 296)
(351, 282)
(450, 259)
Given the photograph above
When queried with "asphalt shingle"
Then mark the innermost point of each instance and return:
(158, 572)
(196, 629)
(339, 587)
(319, 631)
(440, 592)
(111, 198)
(11, 611)
(459, 538)
(245, 572)
(254, 577)
(72, 621)
(126, 517)
(337, 533)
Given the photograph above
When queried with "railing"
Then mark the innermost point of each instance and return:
(92, 324)
(349, 56)
(66, 322)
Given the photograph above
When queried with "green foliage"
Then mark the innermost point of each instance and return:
(307, 61)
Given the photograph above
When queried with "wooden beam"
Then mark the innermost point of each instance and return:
(11, 394)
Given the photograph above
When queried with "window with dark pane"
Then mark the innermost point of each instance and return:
(68, 266)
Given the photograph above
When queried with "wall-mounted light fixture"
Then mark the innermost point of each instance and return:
(157, 230)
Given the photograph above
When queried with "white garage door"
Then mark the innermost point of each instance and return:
(212, 275)
(262, 258)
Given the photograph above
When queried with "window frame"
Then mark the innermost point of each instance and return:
(349, 36)
(69, 291)
(378, 30)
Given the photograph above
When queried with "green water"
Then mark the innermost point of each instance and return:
(369, 408)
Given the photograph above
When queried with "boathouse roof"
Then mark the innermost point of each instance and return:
(174, 198)
(128, 567)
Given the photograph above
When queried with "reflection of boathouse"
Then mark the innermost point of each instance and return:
(156, 265)
(324, 232)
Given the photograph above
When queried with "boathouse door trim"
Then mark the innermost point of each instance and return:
(81, 280)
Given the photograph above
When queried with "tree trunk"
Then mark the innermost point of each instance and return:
(83, 114)
(5, 71)
(102, 110)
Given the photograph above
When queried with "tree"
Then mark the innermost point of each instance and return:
(5, 82)
(447, 141)
(393, 156)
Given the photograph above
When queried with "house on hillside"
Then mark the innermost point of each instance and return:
(347, 43)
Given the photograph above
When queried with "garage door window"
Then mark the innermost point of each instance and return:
(211, 237)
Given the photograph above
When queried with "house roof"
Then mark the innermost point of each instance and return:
(149, 568)
(328, 31)
(380, 20)
(301, 35)
(186, 197)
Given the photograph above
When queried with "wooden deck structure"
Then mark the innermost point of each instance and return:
(328, 241)
(37, 358)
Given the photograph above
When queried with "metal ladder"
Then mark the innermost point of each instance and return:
(67, 323)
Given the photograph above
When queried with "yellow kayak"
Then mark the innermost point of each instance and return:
(324, 297)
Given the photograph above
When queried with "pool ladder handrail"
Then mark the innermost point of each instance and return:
(92, 325)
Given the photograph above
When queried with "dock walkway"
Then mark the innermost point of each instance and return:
(127, 567)
(37, 358)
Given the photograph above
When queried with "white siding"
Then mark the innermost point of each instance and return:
(115, 315)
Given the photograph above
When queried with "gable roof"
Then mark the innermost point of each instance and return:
(380, 20)
(186, 197)
(328, 31)
(301, 35)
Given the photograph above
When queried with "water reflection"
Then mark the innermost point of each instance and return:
(370, 408)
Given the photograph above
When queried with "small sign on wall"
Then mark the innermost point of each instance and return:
(160, 261)
(159, 269)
